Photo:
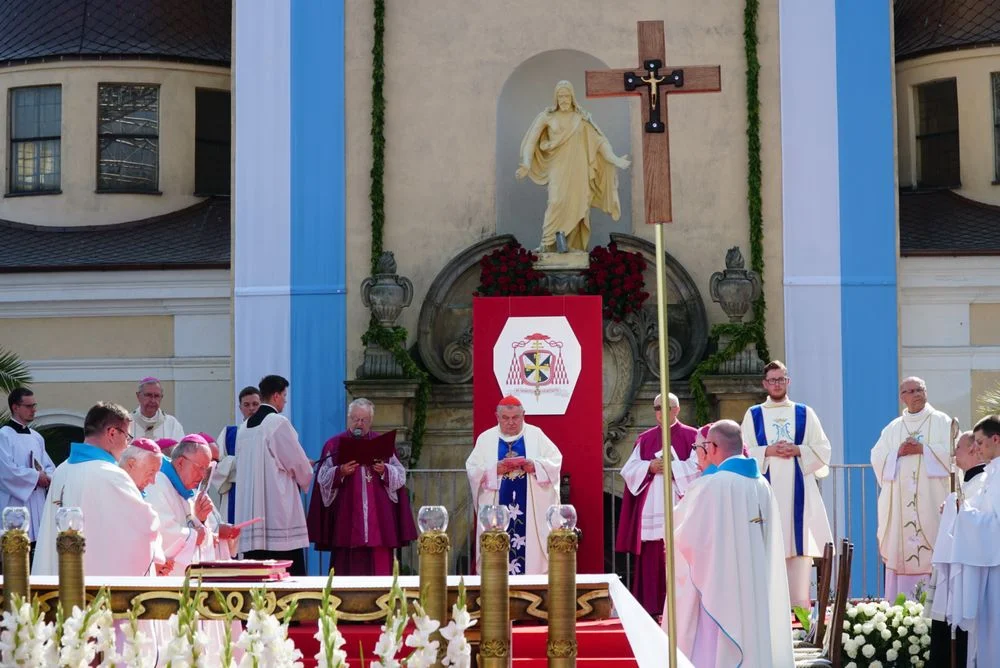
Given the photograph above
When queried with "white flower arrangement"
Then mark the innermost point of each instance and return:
(330, 654)
(390, 641)
(265, 641)
(87, 634)
(137, 649)
(425, 650)
(459, 652)
(884, 635)
(25, 637)
(187, 645)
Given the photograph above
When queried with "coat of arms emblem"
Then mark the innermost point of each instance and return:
(536, 362)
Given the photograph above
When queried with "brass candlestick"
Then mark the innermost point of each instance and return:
(494, 550)
(562, 545)
(433, 549)
(71, 546)
(16, 548)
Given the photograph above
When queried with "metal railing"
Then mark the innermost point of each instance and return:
(849, 492)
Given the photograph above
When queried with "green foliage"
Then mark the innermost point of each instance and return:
(377, 191)
(802, 615)
(989, 402)
(13, 373)
(755, 330)
(393, 340)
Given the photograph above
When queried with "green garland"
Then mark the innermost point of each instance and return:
(376, 195)
(754, 331)
(393, 340)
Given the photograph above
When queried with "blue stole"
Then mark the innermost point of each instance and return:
(168, 470)
(744, 466)
(514, 495)
(83, 452)
(799, 509)
(231, 451)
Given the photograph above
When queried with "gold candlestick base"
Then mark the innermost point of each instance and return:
(494, 646)
(562, 648)
(70, 545)
(16, 548)
(433, 548)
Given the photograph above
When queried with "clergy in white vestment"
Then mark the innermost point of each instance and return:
(274, 472)
(188, 537)
(792, 450)
(148, 419)
(121, 529)
(974, 561)
(222, 487)
(911, 462)
(516, 465)
(968, 458)
(25, 467)
(732, 596)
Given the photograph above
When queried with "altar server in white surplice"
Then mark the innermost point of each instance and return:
(516, 465)
(791, 448)
(188, 535)
(120, 527)
(732, 593)
(25, 467)
(968, 458)
(911, 462)
(273, 473)
(975, 557)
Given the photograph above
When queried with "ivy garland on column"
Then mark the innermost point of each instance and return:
(754, 331)
(393, 340)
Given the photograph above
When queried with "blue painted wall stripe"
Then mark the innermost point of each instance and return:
(868, 247)
(318, 210)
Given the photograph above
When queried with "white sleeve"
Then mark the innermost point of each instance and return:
(548, 463)
(395, 478)
(325, 477)
(16, 477)
(291, 456)
(815, 448)
(750, 439)
(635, 472)
(481, 467)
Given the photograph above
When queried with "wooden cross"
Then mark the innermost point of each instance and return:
(658, 82)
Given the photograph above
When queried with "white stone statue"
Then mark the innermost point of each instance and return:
(566, 151)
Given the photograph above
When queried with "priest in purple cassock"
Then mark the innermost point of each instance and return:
(360, 513)
(640, 528)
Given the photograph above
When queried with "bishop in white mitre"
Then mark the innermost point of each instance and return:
(968, 458)
(792, 450)
(121, 529)
(516, 465)
(732, 595)
(911, 462)
(974, 558)
(25, 467)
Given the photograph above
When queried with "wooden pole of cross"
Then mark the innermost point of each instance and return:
(653, 81)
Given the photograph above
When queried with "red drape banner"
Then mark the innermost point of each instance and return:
(533, 355)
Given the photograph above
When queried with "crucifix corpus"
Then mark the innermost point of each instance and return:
(653, 81)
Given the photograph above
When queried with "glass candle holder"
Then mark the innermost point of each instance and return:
(69, 519)
(16, 517)
(432, 518)
(561, 516)
(493, 517)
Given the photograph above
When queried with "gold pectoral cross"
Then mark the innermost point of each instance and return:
(759, 519)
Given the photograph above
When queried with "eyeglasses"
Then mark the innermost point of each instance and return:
(657, 408)
(152, 395)
(196, 465)
(916, 390)
(703, 448)
(776, 381)
(123, 432)
(32, 406)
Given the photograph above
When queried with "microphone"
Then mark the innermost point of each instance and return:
(356, 432)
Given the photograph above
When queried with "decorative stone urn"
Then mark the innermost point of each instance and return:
(734, 289)
(386, 294)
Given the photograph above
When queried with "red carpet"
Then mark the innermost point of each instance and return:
(597, 642)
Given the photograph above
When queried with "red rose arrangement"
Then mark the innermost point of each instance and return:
(617, 276)
(509, 271)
